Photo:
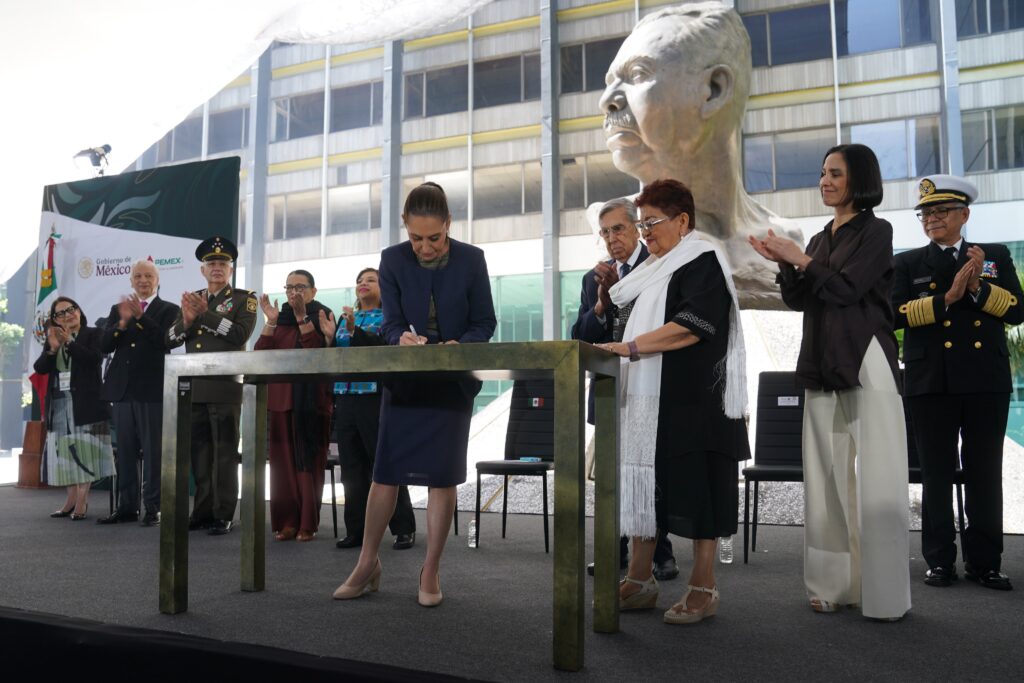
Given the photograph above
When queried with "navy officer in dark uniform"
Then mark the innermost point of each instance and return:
(595, 323)
(954, 299)
(218, 318)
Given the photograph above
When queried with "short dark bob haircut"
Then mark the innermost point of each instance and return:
(53, 309)
(864, 178)
(670, 197)
(306, 274)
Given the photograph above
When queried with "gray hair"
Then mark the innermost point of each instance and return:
(624, 203)
(144, 262)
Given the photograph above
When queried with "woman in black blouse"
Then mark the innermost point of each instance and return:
(856, 511)
(685, 397)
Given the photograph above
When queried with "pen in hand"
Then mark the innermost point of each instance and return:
(413, 330)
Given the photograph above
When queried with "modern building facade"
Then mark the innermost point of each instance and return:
(930, 85)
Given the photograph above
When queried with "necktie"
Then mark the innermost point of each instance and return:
(624, 270)
(951, 254)
(143, 304)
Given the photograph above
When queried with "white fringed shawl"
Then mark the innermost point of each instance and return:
(647, 287)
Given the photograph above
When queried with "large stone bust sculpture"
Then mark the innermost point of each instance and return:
(677, 91)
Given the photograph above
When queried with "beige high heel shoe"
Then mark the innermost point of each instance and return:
(347, 592)
(645, 598)
(429, 599)
(680, 614)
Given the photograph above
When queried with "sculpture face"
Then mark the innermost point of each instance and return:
(652, 103)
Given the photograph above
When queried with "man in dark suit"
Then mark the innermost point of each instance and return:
(954, 299)
(218, 318)
(596, 323)
(134, 385)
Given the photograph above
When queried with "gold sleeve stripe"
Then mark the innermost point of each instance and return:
(998, 302)
(920, 312)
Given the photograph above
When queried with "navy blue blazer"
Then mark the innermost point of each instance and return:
(461, 291)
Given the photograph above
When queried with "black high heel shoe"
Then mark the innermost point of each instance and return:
(62, 513)
(78, 518)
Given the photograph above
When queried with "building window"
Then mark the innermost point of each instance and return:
(872, 25)
(414, 96)
(498, 191)
(298, 117)
(294, 215)
(993, 139)
(905, 148)
(979, 17)
(356, 106)
(447, 90)
(785, 161)
(348, 208)
(584, 66)
(507, 80)
(229, 130)
(593, 178)
(789, 36)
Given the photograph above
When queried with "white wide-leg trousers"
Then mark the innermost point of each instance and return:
(856, 507)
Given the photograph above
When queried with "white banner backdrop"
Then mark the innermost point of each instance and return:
(92, 264)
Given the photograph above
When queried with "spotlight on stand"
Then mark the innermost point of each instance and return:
(94, 158)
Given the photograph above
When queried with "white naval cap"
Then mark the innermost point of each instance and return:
(938, 188)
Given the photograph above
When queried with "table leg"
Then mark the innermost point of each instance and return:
(254, 463)
(606, 507)
(569, 514)
(174, 468)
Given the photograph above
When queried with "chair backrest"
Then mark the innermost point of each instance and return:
(780, 416)
(531, 421)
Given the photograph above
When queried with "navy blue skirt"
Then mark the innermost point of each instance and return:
(424, 432)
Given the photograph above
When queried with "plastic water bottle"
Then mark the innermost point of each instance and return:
(725, 550)
(471, 534)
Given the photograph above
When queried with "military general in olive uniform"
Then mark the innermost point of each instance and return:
(954, 299)
(218, 318)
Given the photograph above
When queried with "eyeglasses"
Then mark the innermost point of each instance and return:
(299, 289)
(938, 213)
(65, 312)
(649, 224)
(616, 230)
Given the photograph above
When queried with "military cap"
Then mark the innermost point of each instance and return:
(216, 249)
(939, 188)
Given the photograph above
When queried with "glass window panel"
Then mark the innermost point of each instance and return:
(456, 187)
(531, 187)
(280, 119)
(1009, 145)
(497, 81)
(447, 90)
(188, 139)
(867, 26)
(227, 131)
(348, 208)
(917, 22)
(570, 300)
(799, 35)
(377, 103)
(572, 69)
(531, 77)
(1007, 15)
(163, 148)
(757, 28)
(350, 107)
(375, 195)
(306, 115)
(977, 142)
(798, 157)
(605, 182)
(599, 57)
(275, 218)
(242, 217)
(497, 191)
(925, 152)
(414, 96)
(303, 215)
(333, 299)
(971, 18)
(888, 139)
(757, 163)
(572, 183)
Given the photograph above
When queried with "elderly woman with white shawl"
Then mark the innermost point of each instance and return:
(684, 398)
